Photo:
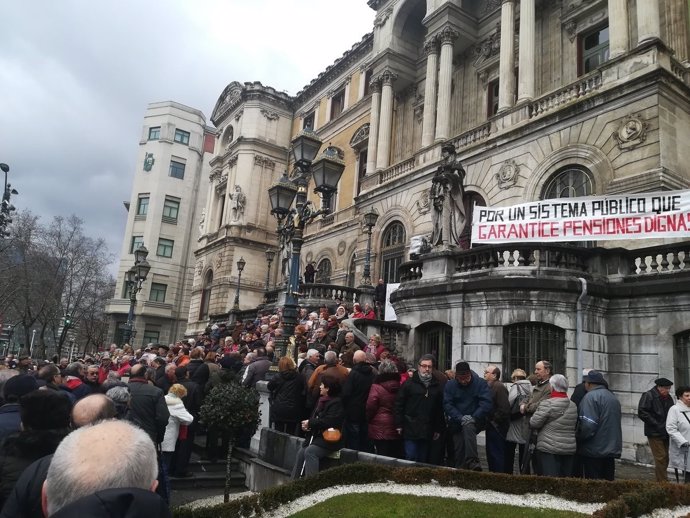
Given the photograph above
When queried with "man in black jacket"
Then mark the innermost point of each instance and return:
(355, 394)
(653, 409)
(419, 410)
(147, 405)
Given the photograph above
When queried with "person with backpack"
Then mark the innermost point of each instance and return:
(518, 431)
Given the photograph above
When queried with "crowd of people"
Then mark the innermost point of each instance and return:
(341, 392)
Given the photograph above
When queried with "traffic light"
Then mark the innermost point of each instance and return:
(6, 333)
(68, 321)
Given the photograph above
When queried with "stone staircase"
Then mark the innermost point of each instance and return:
(206, 473)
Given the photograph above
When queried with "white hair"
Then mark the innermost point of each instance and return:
(559, 383)
(73, 475)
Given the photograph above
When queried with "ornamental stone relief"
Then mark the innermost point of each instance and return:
(508, 174)
(198, 268)
(218, 262)
(631, 132)
(272, 116)
(423, 203)
(487, 48)
(264, 162)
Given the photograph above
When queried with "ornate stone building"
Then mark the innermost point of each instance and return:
(540, 99)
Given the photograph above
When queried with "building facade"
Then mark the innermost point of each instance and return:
(541, 99)
(163, 214)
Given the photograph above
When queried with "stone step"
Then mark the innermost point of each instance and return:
(208, 479)
(207, 466)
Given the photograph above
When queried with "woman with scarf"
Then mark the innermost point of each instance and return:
(328, 413)
(518, 431)
(375, 346)
(555, 419)
(678, 428)
(379, 409)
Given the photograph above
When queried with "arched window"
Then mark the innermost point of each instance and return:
(206, 296)
(392, 251)
(471, 200)
(526, 343)
(323, 272)
(437, 339)
(351, 272)
(569, 182)
(228, 136)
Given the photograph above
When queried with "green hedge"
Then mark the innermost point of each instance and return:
(624, 498)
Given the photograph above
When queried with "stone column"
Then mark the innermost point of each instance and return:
(648, 23)
(445, 78)
(506, 67)
(373, 126)
(386, 121)
(431, 50)
(526, 51)
(619, 37)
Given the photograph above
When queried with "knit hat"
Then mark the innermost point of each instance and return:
(18, 386)
(462, 368)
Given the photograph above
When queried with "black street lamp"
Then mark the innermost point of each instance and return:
(7, 208)
(326, 172)
(370, 218)
(270, 255)
(135, 278)
(240, 267)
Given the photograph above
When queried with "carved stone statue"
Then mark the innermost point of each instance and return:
(447, 193)
(238, 202)
(202, 222)
(285, 256)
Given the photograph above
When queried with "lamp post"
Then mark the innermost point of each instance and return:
(270, 255)
(326, 172)
(240, 267)
(135, 278)
(370, 218)
(7, 208)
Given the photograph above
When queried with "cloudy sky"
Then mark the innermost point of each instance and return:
(76, 77)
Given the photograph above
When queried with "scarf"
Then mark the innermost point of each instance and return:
(322, 403)
(425, 379)
(558, 394)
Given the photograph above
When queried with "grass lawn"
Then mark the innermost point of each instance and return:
(381, 505)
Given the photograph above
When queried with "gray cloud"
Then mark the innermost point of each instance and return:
(76, 77)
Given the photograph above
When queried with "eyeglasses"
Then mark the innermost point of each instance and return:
(423, 366)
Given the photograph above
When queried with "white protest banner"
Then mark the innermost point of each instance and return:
(630, 216)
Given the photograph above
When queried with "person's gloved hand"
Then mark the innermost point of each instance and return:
(466, 419)
(685, 445)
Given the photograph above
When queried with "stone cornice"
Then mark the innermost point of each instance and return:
(235, 94)
(356, 53)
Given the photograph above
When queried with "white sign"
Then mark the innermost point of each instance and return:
(632, 216)
(390, 312)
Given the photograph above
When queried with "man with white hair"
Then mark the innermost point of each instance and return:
(95, 484)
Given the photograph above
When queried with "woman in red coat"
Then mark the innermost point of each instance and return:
(382, 430)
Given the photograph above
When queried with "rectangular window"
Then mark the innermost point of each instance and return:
(171, 209)
(525, 344)
(126, 290)
(177, 169)
(337, 104)
(151, 336)
(492, 108)
(681, 359)
(308, 121)
(143, 205)
(155, 133)
(165, 247)
(182, 137)
(367, 81)
(593, 49)
(158, 292)
(361, 168)
(137, 241)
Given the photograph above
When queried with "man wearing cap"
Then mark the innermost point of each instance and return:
(467, 404)
(599, 435)
(653, 409)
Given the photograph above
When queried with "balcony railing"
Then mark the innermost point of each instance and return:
(563, 259)
(583, 87)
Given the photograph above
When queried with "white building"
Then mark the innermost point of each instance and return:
(163, 214)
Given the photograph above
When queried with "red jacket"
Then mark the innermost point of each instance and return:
(380, 408)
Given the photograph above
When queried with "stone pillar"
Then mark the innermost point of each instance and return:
(445, 78)
(677, 32)
(373, 126)
(619, 37)
(526, 56)
(431, 49)
(648, 23)
(383, 150)
(506, 68)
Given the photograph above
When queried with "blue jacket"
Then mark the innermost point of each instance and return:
(10, 420)
(473, 399)
(599, 433)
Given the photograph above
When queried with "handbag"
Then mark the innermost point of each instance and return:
(332, 435)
